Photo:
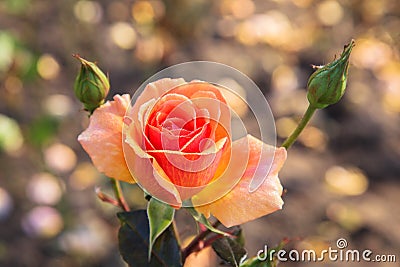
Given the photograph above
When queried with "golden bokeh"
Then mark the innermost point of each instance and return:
(330, 12)
(370, 53)
(285, 126)
(284, 78)
(88, 11)
(313, 137)
(150, 50)
(48, 67)
(84, 176)
(346, 181)
(123, 35)
(143, 12)
(242, 9)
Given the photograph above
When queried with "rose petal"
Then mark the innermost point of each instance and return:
(102, 140)
(192, 89)
(151, 177)
(190, 169)
(239, 205)
(154, 90)
(147, 99)
(208, 96)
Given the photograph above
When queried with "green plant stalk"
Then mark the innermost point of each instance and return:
(300, 127)
(119, 195)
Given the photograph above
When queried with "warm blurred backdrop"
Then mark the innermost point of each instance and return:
(342, 177)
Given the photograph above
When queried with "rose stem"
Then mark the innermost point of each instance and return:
(300, 127)
(194, 245)
(119, 195)
(106, 198)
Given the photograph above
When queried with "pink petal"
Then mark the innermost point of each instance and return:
(240, 205)
(154, 90)
(150, 175)
(102, 140)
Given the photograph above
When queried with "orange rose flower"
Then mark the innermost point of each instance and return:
(176, 141)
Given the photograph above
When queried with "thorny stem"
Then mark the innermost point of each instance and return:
(119, 195)
(300, 127)
(198, 242)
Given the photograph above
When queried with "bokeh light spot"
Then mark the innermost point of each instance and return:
(84, 176)
(346, 181)
(13, 84)
(123, 35)
(285, 126)
(284, 78)
(346, 216)
(58, 105)
(60, 157)
(48, 67)
(143, 12)
(242, 9)
(371, 54)
(90, 237)
(43, 222)
(330, 12)
(88, 11)
(313, 137)
(7, 50)
(11, 138)
(44, 188)
(150, 50)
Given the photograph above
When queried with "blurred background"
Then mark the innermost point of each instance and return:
(341, 177)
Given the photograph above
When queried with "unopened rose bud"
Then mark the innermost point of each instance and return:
(327, 84)
(91, 85)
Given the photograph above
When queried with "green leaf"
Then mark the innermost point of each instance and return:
(203, 220)
(229, 250)
(134, 236)
(160, 218)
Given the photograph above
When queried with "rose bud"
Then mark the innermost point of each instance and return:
(328, 83)
(91, 85)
